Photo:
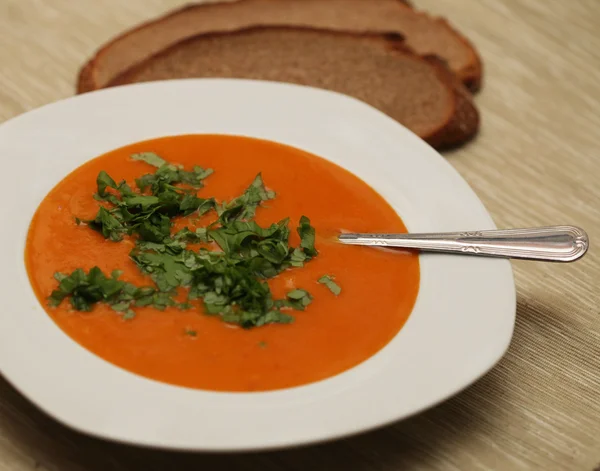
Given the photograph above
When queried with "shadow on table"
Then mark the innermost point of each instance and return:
(427, 440)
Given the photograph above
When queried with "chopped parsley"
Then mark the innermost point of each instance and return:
(307, 236)
(244, 206)
(327, 280)
(149, 215)
(231, 282)
(84, 290)
(150, 158)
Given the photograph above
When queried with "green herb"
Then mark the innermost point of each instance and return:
(171, 175)
(231, 282)
(167, 270)
(150, 158)
(244, 207)
(262, 344)
(108, 225)
(298, 257)
(149, 216)
(255, 319)
(297, 299)
(327, 280)
(307, 238)
(186, 235)
(104, 181)
(172, 172)
(191, 333)
(245, 238)
(84, 290)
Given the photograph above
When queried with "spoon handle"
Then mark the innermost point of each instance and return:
(552, 244)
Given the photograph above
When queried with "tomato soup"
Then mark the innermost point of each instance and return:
(334, 333)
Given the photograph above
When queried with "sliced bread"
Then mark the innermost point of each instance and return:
(424, 34)
(419, 92)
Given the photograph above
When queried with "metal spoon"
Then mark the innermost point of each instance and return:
(550, 244)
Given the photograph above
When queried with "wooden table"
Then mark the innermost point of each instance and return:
(536, 162)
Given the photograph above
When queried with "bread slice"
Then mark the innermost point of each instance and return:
(424, 34)
(419, 92)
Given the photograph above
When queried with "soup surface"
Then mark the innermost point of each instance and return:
(334, 333)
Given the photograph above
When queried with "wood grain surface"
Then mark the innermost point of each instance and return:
(536, 162)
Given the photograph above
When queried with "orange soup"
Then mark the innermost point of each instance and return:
(190, 348)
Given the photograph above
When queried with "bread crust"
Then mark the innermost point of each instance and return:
(464, 123)
(460, 124)
(88, 79)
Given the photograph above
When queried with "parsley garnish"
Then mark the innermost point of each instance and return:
(297, 299)
(149, 215)
(244, 207)
(231, 282)
(307, 237)
(150, 158)
(327, 280)
(169, 173)
(86, 289)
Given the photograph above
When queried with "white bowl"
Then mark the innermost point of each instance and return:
(460, 327)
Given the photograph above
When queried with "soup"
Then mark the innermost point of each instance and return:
(327, 310)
